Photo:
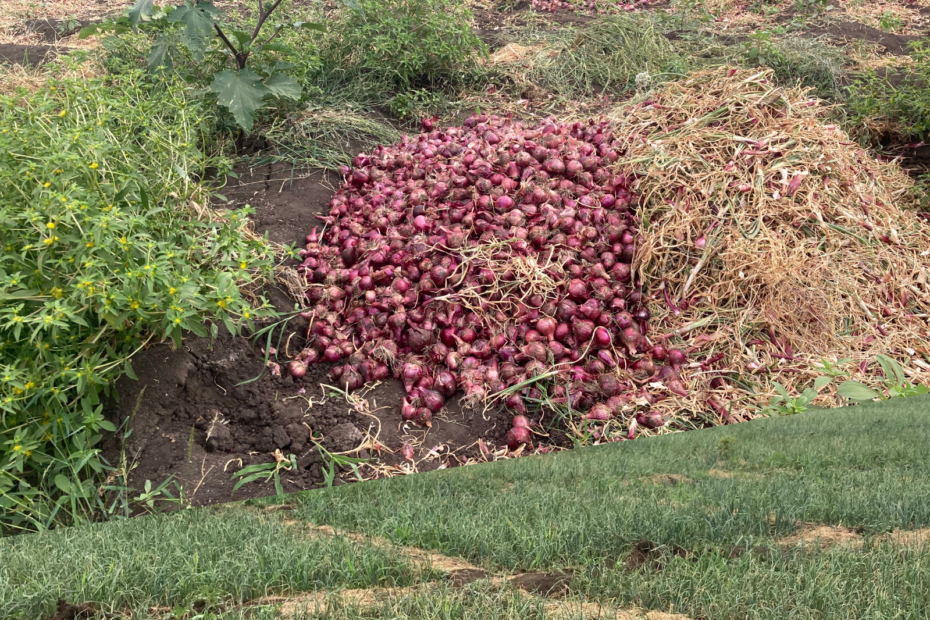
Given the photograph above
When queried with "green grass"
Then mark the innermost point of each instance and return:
(215, 556)
(736, 490)
(603, 57)
(845, 466)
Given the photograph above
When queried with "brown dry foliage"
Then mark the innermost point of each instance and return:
(808, 237)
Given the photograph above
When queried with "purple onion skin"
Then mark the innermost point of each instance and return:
(387, 266)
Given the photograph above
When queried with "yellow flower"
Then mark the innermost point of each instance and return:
(177, 320)
(242, 265)
(17, 448)
(30, 385)
(63, 112)
(172, 291)
(90, 244)
(221, 303)
(57, 293)
(134, 305)
(46, 184)
(246, 314)
(28, 452)
(94, 166)
(50, 225)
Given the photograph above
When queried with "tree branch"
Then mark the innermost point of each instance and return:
(262, 16)
(232, 48)
(276, 33)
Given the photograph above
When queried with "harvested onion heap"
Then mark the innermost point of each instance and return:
(479, 257)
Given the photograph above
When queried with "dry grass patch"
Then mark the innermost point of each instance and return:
(826, 536)
(778, 238)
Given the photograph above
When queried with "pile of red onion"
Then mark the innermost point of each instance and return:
(478, 258)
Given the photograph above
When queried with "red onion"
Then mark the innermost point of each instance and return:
(520, 421)
(519, 436)
(411, 373)
(577, 289)
(387, 273)
(350, 379)
(297, 369)
(536, 351)
(424, 416)
(431, 399)
(515, 402)
(583, 330)
(546, 326)
(407, 410)
(598, 413)
(608, 384)
(651, 420)
(676, 358)
(602, 337)
(643, 369)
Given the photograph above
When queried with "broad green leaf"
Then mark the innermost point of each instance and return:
(355, 6)
(780, 389)
(90, 31)
(241, 92)
(63, 483)
(854, 390)
(159, 58)
(277, 47)
(107, 426)
(310, 26)
(809, 395)
(283, 85)
(130, 372)
(820, 382)
(139, 11)
(892, 369)
(242, 37)
(198, 26)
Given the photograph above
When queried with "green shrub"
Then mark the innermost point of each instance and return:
(411, 43)
(796, 60)
(101, 252)
(194, 38)
(896, 98)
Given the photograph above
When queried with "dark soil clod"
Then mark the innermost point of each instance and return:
(646, 554)
(545, 584)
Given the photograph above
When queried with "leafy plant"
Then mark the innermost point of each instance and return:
(889, 22)
(266, 471)
(785, 404)
(812, 7)
(833, 369)
(411, 43)
(102, 250)
(896, 99)
(795, 58)
(896, 384)
(194, 31)
(332, 461)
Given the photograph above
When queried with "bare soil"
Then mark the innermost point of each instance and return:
(28, 55)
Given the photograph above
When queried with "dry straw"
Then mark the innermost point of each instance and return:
(810, 249)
